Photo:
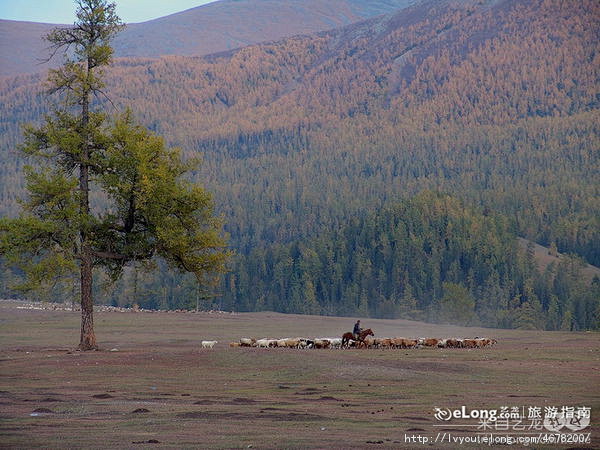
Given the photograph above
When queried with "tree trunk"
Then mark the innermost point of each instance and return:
(87, 339)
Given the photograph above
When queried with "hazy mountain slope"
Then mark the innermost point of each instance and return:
(21, 47)
(206, 29)
(229, 24)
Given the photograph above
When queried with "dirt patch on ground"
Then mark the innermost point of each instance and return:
(102, 396)
(43, 411)
(260, 415)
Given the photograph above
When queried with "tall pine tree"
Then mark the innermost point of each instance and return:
(143, 206)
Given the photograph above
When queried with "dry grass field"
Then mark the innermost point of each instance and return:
(157, 388)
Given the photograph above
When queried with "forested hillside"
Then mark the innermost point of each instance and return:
(427, 258)
(494, 102)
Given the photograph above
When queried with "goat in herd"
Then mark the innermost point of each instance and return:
(368, 341)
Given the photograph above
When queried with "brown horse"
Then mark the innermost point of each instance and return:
(347, 337)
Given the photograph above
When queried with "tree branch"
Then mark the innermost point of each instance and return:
(109, 255)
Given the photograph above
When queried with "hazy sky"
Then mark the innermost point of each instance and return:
(63, 11)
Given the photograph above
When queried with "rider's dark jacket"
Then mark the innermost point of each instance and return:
(356, 329)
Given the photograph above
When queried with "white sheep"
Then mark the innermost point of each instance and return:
(263, 343)
(208, 344)
(335, 342)
(248, 342)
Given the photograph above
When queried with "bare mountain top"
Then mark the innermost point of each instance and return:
(21, 47)
(218, 26)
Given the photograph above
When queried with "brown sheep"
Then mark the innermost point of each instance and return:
(292, 343)
(429, 342)
(469, 343)
(453, 343)
(397, 342)
(410, 343)
(385, 343)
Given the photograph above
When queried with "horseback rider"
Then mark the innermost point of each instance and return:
(357, 330)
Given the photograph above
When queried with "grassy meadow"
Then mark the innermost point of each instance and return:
(151, 385)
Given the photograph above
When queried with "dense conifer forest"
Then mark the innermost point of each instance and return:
(383, 169)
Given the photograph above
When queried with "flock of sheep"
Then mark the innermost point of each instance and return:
(369, 342)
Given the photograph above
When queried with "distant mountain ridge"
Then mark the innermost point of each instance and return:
(206, 29)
